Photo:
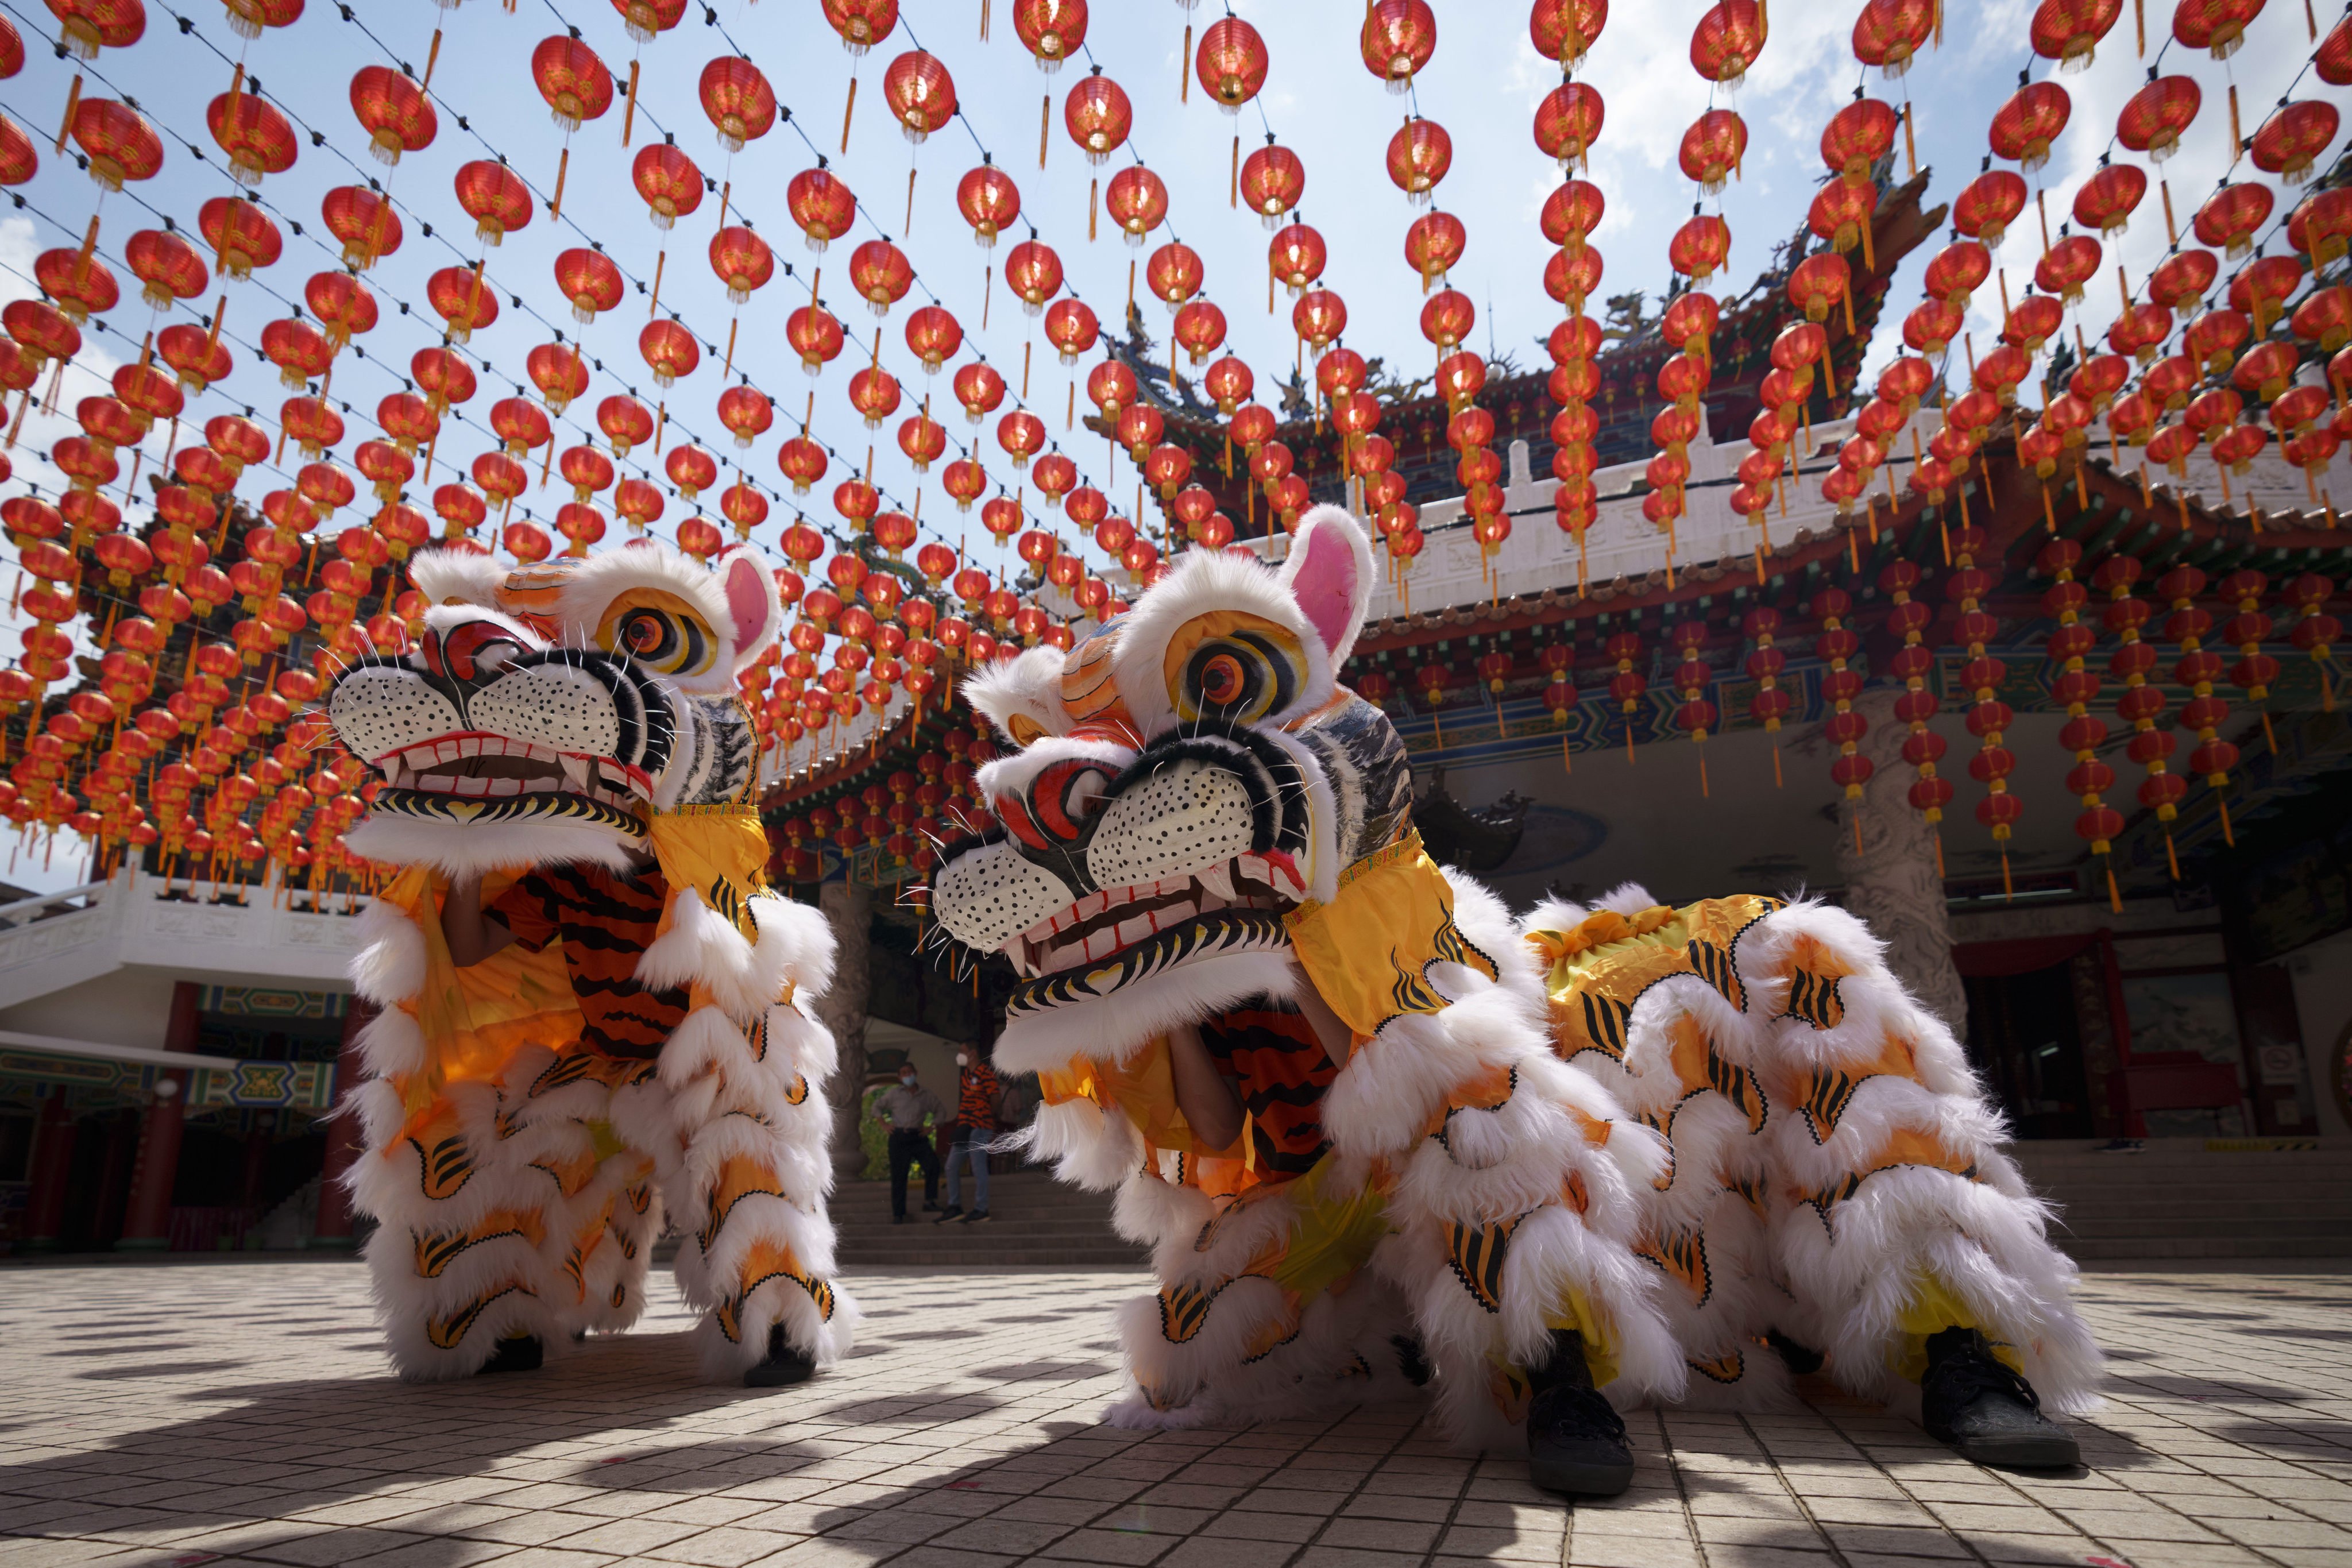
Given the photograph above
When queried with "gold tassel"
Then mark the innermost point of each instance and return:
(1094, 187)
(563, 170)
(433, 57)
(1910, 148)
(2237, 141)
(628, 114)
(1184, 69)
(847, 110)
(909, 226)
(661, 259)
(2139, 28)
(1044, 124)
(1233, 183)
(987, 292)
(73, 102)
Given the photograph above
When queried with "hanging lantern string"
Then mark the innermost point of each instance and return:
(588, 435)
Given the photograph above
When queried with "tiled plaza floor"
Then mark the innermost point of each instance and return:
(173, 1416)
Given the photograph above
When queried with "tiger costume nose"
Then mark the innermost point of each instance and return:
(1057, 808)
(470, 650)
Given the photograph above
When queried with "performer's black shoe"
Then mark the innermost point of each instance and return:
(1989, 1413)
(1411, 1359)
(520, 1354)
(977, 1216)
(1576, 1441)
(953, 1211)
(783, 1367)
(1802, 1360)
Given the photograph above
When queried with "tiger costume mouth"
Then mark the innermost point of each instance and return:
(1105, 925)
(469, 776)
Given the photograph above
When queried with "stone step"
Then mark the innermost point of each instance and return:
(2176, 1198)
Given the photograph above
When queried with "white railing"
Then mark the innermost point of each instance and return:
(269, 938)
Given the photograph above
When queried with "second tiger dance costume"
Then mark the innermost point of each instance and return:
(1377, 1133)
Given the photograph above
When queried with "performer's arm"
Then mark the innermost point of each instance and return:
(1203, 1094)
(1338, 1041)
(472, 936)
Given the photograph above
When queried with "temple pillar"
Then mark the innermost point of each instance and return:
(1886, 853)
(849, 910)
(147, 1217)
(53, 1153)
(331, 1231)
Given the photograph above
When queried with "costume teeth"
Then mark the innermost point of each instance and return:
(576, 772)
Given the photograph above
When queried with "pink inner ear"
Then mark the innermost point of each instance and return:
(1325, 585)
(747, 591)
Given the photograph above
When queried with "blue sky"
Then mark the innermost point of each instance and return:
(1483, 85)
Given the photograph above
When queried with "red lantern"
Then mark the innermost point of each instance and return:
(120, 144)
(1432, 245)
(1319, 317)
(668, 181)
(495, 197)
(669, 350)
(2152, 122)
(979, 388)
(742, 260)
(253, 133)
(1699, 247)
(874, 392)
(1231, 63)
(1419, 155)
(2023, 127)
(462, 300)
(989, 201)
(1097, 116)
(1727, 41)
(167, 265)
(1297, 257)
(920, 93)
(1272, 181)
(2069, 31)
(572, 78)
(394, 112)
(1137, 201)
(2217, 26)
(1397, 39)
(739, 100)
(861, 23)
(1034, 272)
(589, 280)
(2231, 215)
(1888, 32)
(1569, 120)
(1564, 30)
(2291, 141)
(1200, 328)
(1071, 327)
(1051, 30)
(815, 335)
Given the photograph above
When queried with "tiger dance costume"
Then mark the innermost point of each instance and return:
(1614, 1150)
(565, 714)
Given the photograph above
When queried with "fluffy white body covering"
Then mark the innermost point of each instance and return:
(1836, 1282)
(713, 1095)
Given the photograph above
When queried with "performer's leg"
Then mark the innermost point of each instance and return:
(1266, 1308)
(1518, 1206)
(927, 1154)
(903, 1144)
(1914, 1250)
(456, 1258)
(955, 1170)
(750, 1122)
(976, 1150)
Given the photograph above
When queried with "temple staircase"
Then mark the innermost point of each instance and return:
(2183, 1198)
(1034, 1221)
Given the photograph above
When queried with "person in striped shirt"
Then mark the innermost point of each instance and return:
(977, 1094)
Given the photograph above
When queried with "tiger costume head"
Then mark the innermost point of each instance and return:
(1185, 782)
(547, 712)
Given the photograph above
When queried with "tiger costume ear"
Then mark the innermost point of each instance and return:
(1330, 573)
(754, 614)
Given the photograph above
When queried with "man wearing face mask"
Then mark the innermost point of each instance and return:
(975, 1123)
(904, 1107)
